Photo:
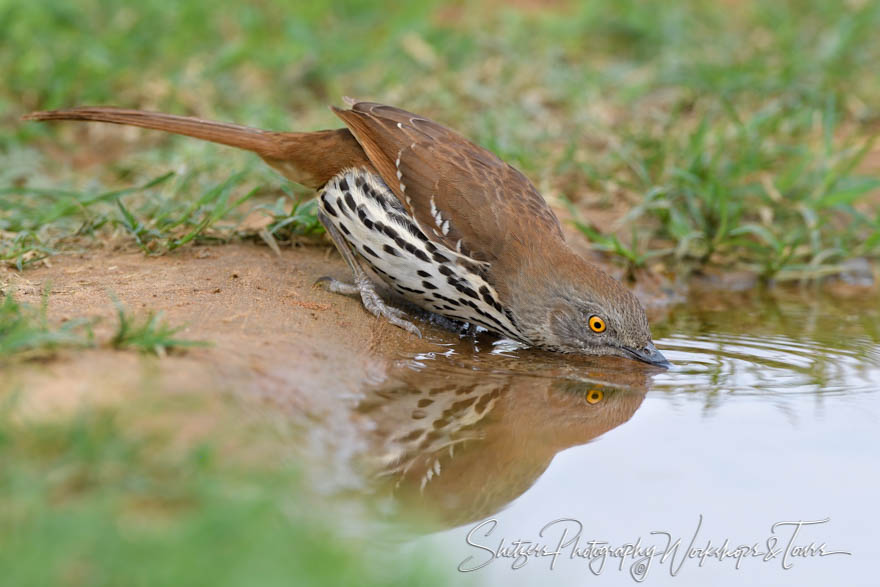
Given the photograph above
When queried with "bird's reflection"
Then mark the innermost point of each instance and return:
(462, 438)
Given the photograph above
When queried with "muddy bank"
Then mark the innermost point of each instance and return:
(272, 332)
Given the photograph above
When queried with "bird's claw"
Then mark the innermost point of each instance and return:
(395, 316)
(372, 302)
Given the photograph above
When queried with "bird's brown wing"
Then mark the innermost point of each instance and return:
(458, 192)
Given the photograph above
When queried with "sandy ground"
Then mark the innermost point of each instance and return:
(272, 332)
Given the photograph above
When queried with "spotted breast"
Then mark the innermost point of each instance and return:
(430, 275)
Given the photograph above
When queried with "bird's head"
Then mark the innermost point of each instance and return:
(584, 310)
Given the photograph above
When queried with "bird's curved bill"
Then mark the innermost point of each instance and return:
(649, 355)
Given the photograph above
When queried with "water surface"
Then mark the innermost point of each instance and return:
(769, 415)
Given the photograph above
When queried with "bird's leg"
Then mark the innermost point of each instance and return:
(362, 283)
(340, 287)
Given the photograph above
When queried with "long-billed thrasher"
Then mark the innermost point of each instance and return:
(443, 222)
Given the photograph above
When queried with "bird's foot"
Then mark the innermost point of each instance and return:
(372, 301)
(336, 286)
(376, 306)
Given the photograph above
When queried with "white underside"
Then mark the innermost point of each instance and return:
(426, 273)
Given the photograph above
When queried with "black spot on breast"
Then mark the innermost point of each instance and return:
(466, 291)
(410, 289)
(428, 285)
(370, 251)
(344, 229)
(328, 207)
(440, 258)
(421, 273)
(390, 250)
(446, 270)
(350, 201)
(382, 201)
(390, 232)
(343, 184)
(487, 296)
(421, 255)
(392, 200)
(495, 323)
(362, 215)
(447, 300)
(400, 219)
(342, 209)
(412, 228)
(411, 249)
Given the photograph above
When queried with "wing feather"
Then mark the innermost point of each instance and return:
(459, 193)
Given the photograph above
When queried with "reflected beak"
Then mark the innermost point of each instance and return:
(649, 355)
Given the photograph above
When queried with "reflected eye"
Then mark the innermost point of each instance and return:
(594, 396)
(597, 324)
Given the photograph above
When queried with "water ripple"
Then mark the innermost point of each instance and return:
(751, 365)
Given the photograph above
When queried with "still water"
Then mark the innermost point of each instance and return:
(769, 415)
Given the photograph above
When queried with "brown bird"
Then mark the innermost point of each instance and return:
(443, 222)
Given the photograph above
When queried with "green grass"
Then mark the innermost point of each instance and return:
(148, 334)
(93, 499)
(25, 331)
(717, 134)
(774, 193)
(734, 134)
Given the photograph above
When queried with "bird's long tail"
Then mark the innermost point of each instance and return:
(262, 142)
(309, 158)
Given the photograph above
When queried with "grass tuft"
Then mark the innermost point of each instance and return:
(742, 192)
(292, 216)
(26, 334)
(149, 334)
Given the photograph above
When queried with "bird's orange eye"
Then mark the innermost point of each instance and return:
(597, 324)
(594, 396)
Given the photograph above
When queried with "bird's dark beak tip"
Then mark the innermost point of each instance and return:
(662, 362)
(651, 355)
